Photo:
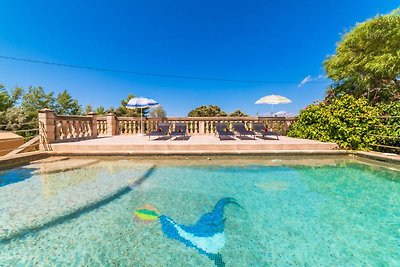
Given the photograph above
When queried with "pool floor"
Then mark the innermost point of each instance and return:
(342, 214)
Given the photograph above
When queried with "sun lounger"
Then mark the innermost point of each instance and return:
(162, 130)
(260, 128)
(221, 129)
(241, 129)
(180, 130)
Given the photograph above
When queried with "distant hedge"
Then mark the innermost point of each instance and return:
(351, 123)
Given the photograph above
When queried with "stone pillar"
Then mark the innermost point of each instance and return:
(47, 128)
(94, 124)
(111, 124)
(201, 127)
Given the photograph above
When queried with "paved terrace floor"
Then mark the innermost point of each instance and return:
(137, 144)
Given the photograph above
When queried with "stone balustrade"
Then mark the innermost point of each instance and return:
(195, 125)
(102, 125)
(72, 128)
(55, 128)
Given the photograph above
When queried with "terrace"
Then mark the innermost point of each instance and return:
(121, 135)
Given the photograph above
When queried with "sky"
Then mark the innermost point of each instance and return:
(282, 44)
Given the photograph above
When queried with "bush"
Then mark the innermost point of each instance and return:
(347, 121)
(388, 131)
(207, 111)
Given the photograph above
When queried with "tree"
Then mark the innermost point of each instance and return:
(367, 61)
(238, 113)
(36, 99)
(101, 111)
(207, 111)
(16, 119)
(123, 111)
(16, 94)
(6, 100)
(111, 110)
(158, 112)
(88, 109)
(67, 105)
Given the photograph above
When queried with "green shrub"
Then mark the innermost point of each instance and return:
(345, 120)
(388, 131)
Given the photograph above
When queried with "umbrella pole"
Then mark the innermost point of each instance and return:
(141, 121)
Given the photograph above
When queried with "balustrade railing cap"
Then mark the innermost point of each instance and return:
(45, 110)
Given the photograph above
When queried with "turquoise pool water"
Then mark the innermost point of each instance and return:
(341, 214)
(14, 176)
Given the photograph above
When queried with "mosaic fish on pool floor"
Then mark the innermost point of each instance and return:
(206, 236)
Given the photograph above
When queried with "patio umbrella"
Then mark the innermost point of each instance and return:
(141, 102)
(273, 100)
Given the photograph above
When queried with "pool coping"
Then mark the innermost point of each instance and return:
(7, 162)
(201, 153)
(378, 156)
(13, 161)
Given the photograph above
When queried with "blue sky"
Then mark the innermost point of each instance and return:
(279, 42)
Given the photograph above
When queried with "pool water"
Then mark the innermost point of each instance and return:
(14, 176)
(342, 214)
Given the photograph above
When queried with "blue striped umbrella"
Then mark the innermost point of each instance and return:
(141, 102)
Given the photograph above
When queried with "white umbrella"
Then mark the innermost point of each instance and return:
(141, 102)
(273, 100)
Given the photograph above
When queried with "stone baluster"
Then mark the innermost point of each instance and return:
(99, 127)
(126, 128)
(90, 128)
(93, 125)
(64, 128)
(82, 128)
(190, 126)
(129, 127)
(104, 127)
(201, 128)
(78, 130)
(75, 127)
(134, 127)
(120, 127)
(69, 129)
(83, 131)
(58, 130)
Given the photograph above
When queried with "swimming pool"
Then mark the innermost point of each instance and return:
(215, 212)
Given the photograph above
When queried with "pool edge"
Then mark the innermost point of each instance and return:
(22, 159)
